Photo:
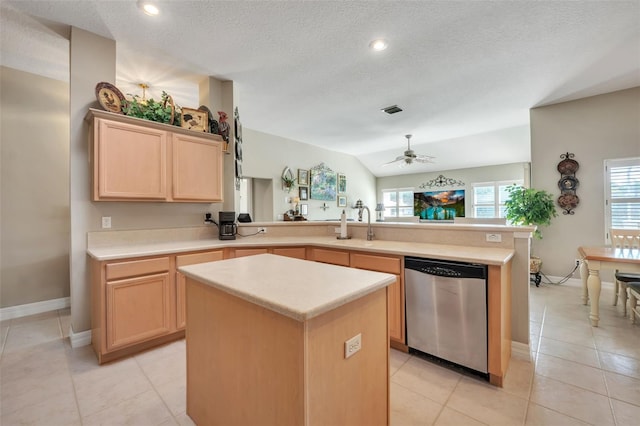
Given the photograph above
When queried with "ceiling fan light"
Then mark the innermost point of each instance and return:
(149, 8)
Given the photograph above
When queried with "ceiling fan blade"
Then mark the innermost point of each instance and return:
(424, 158)
(394, 161)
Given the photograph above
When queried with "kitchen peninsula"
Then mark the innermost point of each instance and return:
(272, 340)
(145, 264)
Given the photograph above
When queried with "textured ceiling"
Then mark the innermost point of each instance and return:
(466, 73)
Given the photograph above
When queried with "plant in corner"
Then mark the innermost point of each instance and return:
(529, 206)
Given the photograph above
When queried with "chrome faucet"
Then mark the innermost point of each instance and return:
(360, 208)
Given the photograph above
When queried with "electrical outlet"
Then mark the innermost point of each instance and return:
(352, 345)
(262, 230)
(494, 238)
(336, 230)
(577, 262)
(106, 222)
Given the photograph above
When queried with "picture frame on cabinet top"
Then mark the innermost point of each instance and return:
(194, 119)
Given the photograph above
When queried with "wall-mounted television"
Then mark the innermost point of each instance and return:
(439, 205)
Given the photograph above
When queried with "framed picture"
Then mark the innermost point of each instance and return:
(303, 192)
(194, 119)
(342, 184)
(303, 177)
(323, 183)
(304, 209)
(342, 201)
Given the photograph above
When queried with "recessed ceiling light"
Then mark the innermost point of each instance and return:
(379, 44)
(149, 8)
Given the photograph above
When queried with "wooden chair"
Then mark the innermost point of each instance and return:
(634, 295)
(626, 239)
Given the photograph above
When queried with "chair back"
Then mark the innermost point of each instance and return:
(625, 238)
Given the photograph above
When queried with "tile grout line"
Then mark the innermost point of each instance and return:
(135, 358)
(535, 362)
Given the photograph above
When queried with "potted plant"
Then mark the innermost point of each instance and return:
(288, 182)
(161, 112)
(529, 206)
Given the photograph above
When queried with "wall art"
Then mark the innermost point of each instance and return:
(323, 183)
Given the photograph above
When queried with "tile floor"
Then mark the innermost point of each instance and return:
(575, 375)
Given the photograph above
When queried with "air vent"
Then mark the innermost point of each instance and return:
(392, 109)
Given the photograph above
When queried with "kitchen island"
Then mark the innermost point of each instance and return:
(277, 340)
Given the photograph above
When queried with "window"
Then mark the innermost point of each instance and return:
(622, 193)
(398, 202)
(489, 198)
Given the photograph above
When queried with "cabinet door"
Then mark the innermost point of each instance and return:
(138, 309)
(130, 162)
(197, 169)
(181, 280)
(335, 257)
(242, 252)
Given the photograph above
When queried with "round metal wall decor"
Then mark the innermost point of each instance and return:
(568, 183)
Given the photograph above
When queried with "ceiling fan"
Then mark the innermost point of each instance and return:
(410, 157)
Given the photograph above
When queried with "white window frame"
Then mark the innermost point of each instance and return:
(397, 206)
(496, 195)
(608, 200)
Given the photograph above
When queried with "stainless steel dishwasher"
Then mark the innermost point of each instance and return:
(446, 305)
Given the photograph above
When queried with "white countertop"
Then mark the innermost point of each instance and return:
(484, 255)
(298, 289)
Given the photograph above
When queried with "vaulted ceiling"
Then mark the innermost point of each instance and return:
(465, 73)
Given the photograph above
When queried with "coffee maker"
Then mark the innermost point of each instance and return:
(227, 225)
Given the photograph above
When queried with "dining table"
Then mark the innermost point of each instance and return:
(597, 258)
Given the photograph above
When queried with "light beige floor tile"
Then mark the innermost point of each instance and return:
(519, 377)
(623, 388)
(569, 351)
(143, 409)
(31, 390)
(174, 396)
(411, 408)
(487, 403)
(27, 335)
(4, 329)
(38, 362)
(397, 360)
(172, 368)
(626, 347)
(171, 421)
(572, 373)
(451, 417)
(65, 321)
(427, 379)
(57, 409)
(626, 414)
(534, 341)
(34, 318)
(184, 420)
(571, 400)
(578, 336)
(535, 327)
(620, 364)
(109, 385)
(538, 415)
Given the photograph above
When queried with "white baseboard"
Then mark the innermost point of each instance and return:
(520, 350)
(81, 338)
(18, 311)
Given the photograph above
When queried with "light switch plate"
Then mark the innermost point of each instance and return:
(494, 238)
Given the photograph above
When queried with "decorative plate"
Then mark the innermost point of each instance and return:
(239, 150)
(568, 166)
(568, 202)
(109, 97)
(568, 183)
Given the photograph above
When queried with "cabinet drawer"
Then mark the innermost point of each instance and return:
(392, 265)
(249, 252)
(334, 257)
(193, 259)
(296, 252)
(136, 267)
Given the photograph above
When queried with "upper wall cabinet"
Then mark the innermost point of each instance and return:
(140, 160)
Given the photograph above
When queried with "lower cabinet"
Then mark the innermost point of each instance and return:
(392, 265)
(184, 260)
(297, 252)
(139, 303)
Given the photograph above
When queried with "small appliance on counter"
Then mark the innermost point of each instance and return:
(227, 225)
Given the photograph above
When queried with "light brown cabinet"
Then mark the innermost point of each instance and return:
(184, 260)
(391, 265)
(334, 257)
(297, 252)
(140, 160)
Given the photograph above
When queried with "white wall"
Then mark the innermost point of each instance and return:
(265, 156)
(503, 172)
(594, 129)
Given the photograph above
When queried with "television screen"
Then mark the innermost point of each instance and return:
(439, 205)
